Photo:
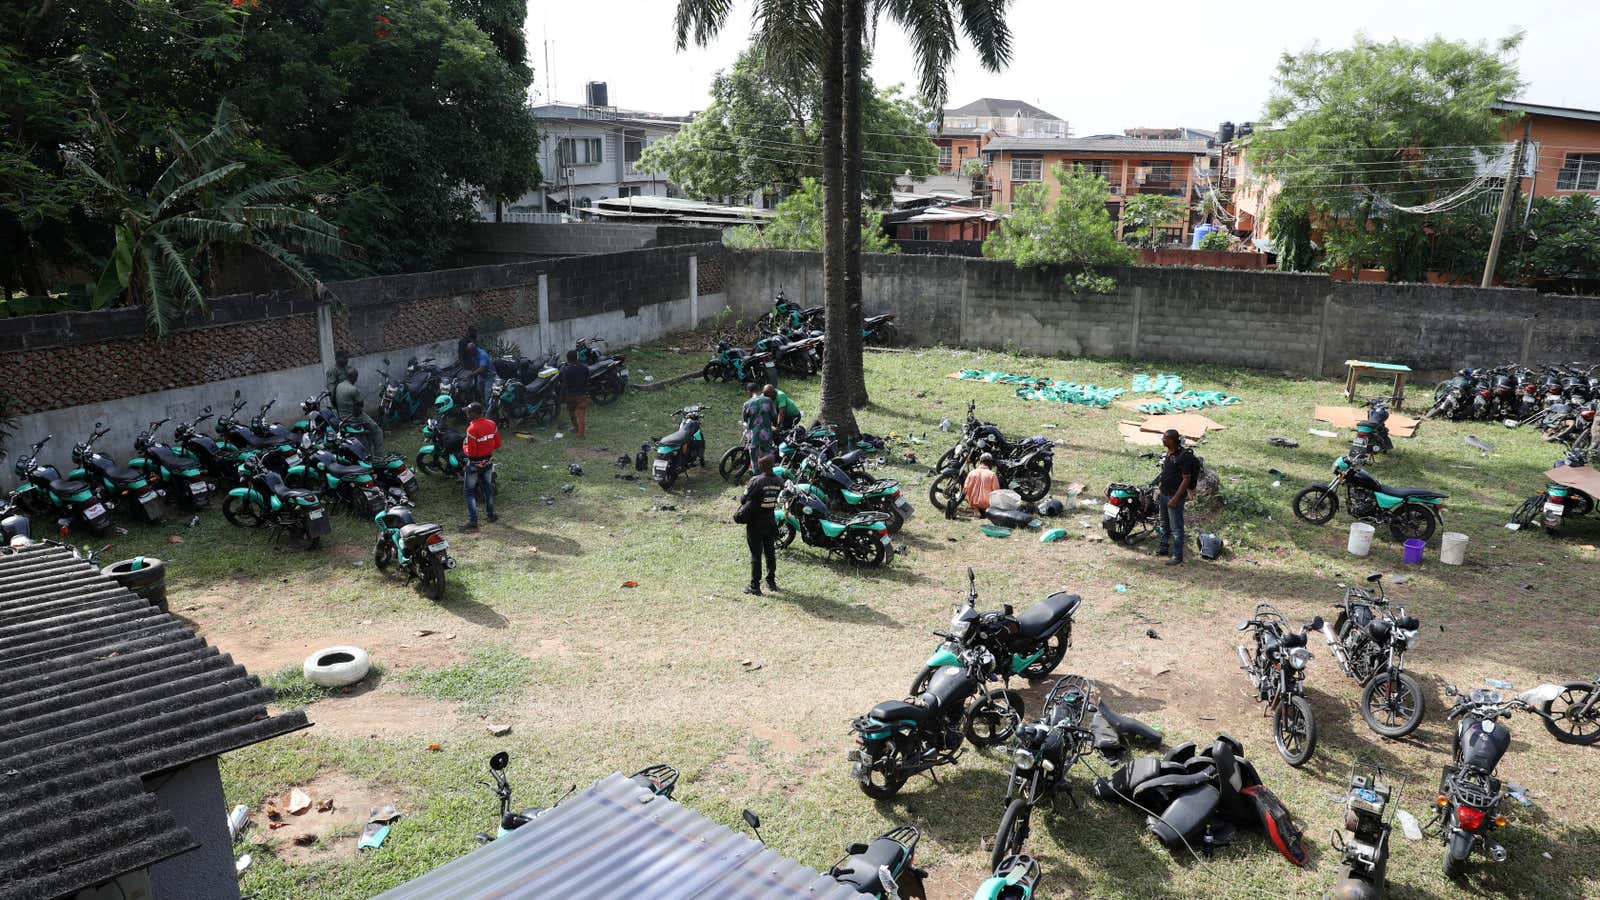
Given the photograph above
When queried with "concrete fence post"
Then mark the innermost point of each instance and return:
(694, 291)
(1526, 356)
(325, 334)
(544, 313)
(1138, 308)
(1322, 336)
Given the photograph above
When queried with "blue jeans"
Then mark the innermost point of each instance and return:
(486, 388)
(471, 480)
(1171, 526)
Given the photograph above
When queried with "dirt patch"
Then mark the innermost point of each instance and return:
(396, 647)
(782, 740)
(382, 714)
(317, 834)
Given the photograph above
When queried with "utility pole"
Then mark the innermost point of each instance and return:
(1513, 179)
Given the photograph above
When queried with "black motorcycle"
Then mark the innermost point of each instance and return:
(182, 477)
(900, 738)
(787, 314)
(796, 354)
(608, 375)
(1557, 502)
(678, 452)
(264, 500)
(1372, 433)
(1364, 855)
(525, 397)
(884, 868)
(1276, 667)
(1408, 512)
(879, 330)
(256, 435)
(1024, 467)
(862, 538)
(124, 487)
(850, 492)
(1369, 640)
(1031, 645)
(660, 779)
(1130, 512)
(418, 550)
(1466, 813)
(411, 395)
(1042, 756)
(219, 460)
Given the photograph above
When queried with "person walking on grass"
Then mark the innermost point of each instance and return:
(758, 508)
(1179, 472)
(760, 422)
(788, 410)
(483, 438)
(980, 483)
(574, 377)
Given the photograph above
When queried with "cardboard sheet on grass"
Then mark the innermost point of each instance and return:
(1192, 426)
(1583, 478)
(1348, 416)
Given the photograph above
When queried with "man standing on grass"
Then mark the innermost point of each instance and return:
(1179, 472)
(760, 503)
(760, 418)
(483, 438)
(788, 410)
(574, 378)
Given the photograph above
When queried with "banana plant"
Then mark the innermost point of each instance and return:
(196, 204)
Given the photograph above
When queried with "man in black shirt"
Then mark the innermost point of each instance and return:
(1179, 472)
(575, 391)
(761, 530)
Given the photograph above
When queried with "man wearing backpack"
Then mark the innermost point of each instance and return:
(1180, 469)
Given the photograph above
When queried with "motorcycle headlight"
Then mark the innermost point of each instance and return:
(1023, 758)
(1409, 637)
(1298, 657)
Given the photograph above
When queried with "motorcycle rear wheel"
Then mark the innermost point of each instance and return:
(1055, 649)
(1393, 708)
(1031, 484)
(1013, 832)
(735, 463)
(1579, 504)
(606, 393)
(1412, 521)
(1585, 731)
(1294, 730)
(945, 492)
(1117, 529)
(1316, 504)
(994, 719)
(864, 548)
(429, 462)
(433, 577)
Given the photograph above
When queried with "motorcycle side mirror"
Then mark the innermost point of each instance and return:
(1375, 577)
(754, 821)
(235, 393)
(854, 849)
(1450, 691)
(1243, 626)
(499, 761)
(1316, 624)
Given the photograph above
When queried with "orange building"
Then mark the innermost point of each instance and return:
(1131, 165)
(957, 145)
(1567, 143)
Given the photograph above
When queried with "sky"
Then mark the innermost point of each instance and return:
(1101, 67)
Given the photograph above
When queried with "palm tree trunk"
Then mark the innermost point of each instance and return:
(854, 24)
(835, 400)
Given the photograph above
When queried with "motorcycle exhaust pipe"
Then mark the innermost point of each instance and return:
(1244, 659)
(1327, 632)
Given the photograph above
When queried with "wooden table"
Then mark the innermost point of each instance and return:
(1358, 368)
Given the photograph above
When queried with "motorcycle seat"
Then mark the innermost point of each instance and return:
(848, 460)
(172, 461)
(677, 438)
(343, 471)
(861, 870)
(873, 320)
(1420, 493)
(1038, 618)
(416, 530)
(67, 487)
(251, 440)
(899, 711)
(122, 473)
(867, 518)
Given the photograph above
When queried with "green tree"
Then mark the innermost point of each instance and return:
(1392, 120)
(167, 229)
(762, 132)
(1562, 240)
(1146, 216)
(1216, 241)
(1075, 231)
(798, 226)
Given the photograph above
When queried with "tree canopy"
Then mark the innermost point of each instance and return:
(1076, 231)
(1351, 133)
(762, 131)
(798, 226)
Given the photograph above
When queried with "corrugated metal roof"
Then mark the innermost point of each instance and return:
(1096, 145)
(995, 106)
(100, 689)
(618, 840)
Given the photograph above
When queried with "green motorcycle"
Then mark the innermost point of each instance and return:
(862, 539)
(419, 551)
(264, 500)
(1016, 878)
(1408, 512)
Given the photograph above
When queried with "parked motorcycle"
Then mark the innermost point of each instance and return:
(1025, 469)
(1016, 878)
(517, 399)
(786, 314)
(407, 397)
(351, 487)
(879, 330)
(1557, 503)
(862, 539)
(419, 551)
(265, 500)
(1372, 434)
(219, 460)
(884, 868)
(900, 738)
(660, 779)
(797, 354)
(1369, 640)
(608, 375)
(1042, 756)
(16, 528)
(1130, 512)
(441, 452)
(1364, 855)
(1571, 712)
(681, 450)
(1408, 512)
(254, 436)
(1030, 645)
(125, 487)
(1276, 668)
(735, 463)
(848, 494)
(180, 476)
(740, 366)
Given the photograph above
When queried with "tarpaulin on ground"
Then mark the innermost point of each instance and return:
(1034, 388)
(1174, 398)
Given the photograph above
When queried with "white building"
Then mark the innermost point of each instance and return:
(1013, 118)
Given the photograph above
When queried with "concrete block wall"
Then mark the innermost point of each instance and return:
(492, 242)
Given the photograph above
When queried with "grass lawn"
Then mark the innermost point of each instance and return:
(751, 697)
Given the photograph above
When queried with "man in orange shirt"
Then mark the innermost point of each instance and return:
(483, 438)
(980, 483)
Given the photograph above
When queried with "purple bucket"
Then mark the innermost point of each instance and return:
(1413, 550)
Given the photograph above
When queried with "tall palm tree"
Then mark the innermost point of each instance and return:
(932, 27)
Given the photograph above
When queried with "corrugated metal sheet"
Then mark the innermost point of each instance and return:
(1096, 145)
(99, 690)
(617, 841)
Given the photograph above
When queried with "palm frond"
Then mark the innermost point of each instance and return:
(198, 183)
(199, 228)
(789, 30)
(158, 305)
(700, 20)
(285, 257)
(175, 269)
(88, 171)
(984, 22)
(271, 189)
(931, 28)
(226, 128)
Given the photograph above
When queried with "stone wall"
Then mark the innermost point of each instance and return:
(1291, 322)
(500, 242)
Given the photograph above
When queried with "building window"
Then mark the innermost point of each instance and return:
(632, 145)
(629, 191)
(944, 156)
(1580, 172)
(919, 232)
(1027, 169)
(1160, 170)
(1101, 167)
(580, 151)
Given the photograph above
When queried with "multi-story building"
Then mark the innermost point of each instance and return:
(1009, 117)
(1131, 165)
(1566, 146)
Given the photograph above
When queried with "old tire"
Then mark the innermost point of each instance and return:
(1585, 732)
(336, 666)
(149, 581)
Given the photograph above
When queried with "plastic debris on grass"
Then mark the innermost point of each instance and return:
(1030, 387)
(1054, 534)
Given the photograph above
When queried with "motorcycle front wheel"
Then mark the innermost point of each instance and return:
(1530, 508)
(1562, 720)
(429, 462)
(945, 492)
(1013, 833)
(1412, 521)
(241, 513)
(1316, 504)
(1393, 707)
(920, 683)
(714, 371)
(735, 464)
(1294, 731)
(994, 719)
(606, 393)
(383, 554)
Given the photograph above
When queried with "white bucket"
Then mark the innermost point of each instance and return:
(1452, 548)
(1360, 538)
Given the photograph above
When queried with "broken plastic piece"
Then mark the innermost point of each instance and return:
(630, 584)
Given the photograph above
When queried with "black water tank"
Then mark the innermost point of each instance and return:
(1245, 129)
(1225, 132)
(595, 92)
